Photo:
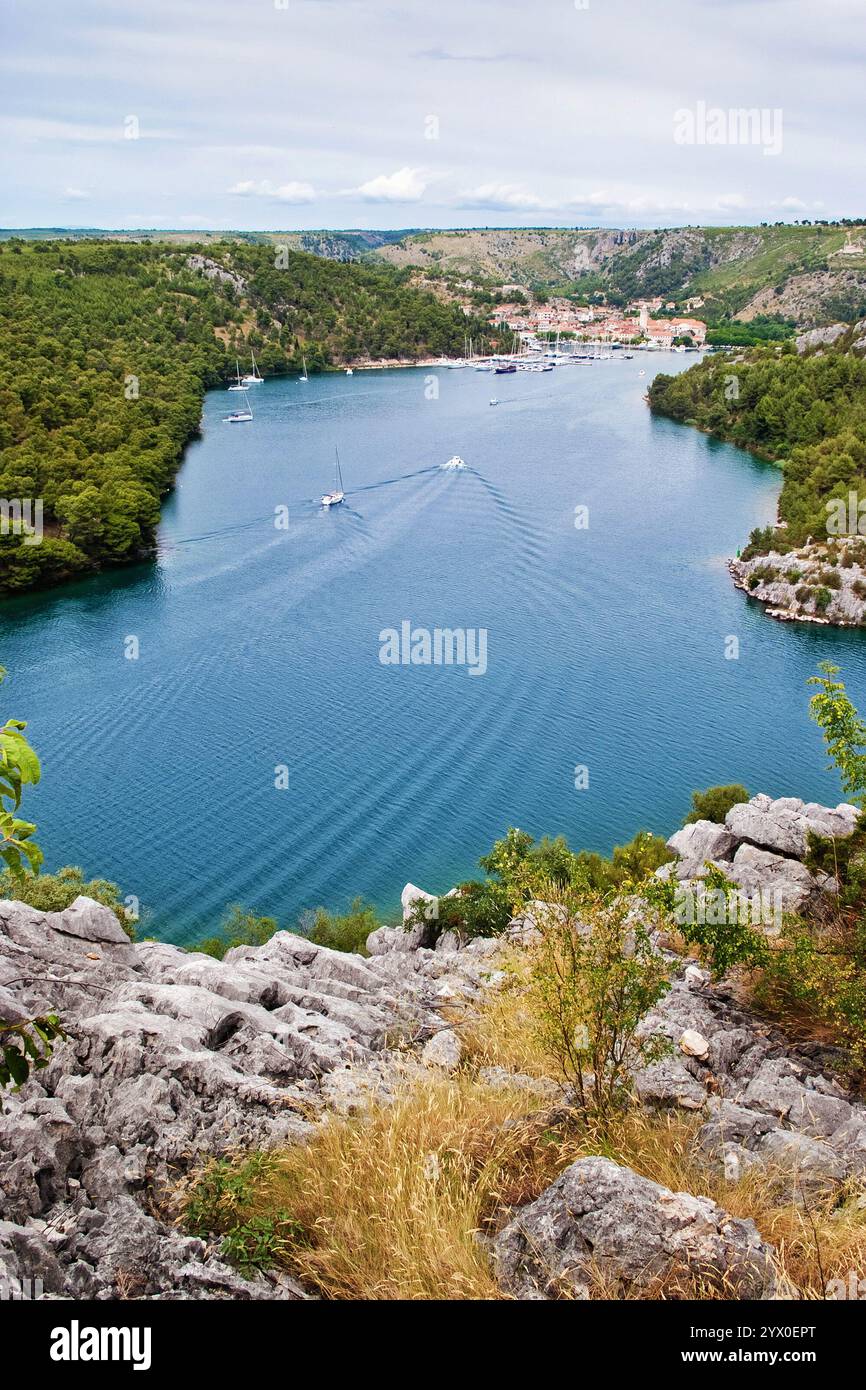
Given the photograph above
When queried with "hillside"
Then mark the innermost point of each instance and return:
(811, 273)
(802, 272)
(107, 347)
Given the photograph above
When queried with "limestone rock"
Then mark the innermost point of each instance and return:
(694, 1044)
(443, 1050)
(702, 840)
(783, 825)
(600, 1220)
(780, 881)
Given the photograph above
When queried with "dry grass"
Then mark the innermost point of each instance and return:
(391, 1204)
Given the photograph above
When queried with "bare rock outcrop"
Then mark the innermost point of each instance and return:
(602, 1223)
(760, 848)
(171, 1057)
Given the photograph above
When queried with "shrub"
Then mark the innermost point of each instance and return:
(843, 729)
(54, 892)
(595, 976)
(803, 594)
(348, 932)
(762, 574)
(240, 928)
(817, 975)
(218, 1202)
(859, 588)
(717, 919)
(715, 803)
(521, 865)
(26, 1045)
(831, 579)
(822, 600)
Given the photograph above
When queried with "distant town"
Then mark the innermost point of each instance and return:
(635, 324)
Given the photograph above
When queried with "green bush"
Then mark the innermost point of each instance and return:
(343, 932)
(715, 803)
(476, 909)
(219, 1202)
(831, 579)
(240, 928)
(595, 976)
(817, 973)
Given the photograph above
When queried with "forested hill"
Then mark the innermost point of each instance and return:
(807, 412)
(107, 347)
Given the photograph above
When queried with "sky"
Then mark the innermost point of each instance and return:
(296, 114)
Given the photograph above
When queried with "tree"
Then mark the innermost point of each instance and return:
(715, 803)
(595, 977)
(843, 729)
(19, 767)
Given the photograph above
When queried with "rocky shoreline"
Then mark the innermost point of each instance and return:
(816, 583)
(172, 1057)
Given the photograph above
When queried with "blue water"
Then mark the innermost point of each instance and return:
(259, 647)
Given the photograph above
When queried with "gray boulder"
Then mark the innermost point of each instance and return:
(783, 825)
(820, 337)
(779, 880)
(172, 1057)
(702, 840)
(443, 1050)
(602, 1222)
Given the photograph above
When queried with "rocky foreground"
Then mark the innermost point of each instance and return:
(172, 1056)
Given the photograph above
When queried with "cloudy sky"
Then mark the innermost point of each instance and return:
(364, 113)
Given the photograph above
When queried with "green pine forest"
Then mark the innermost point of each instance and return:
(806, 413)
(107, 347)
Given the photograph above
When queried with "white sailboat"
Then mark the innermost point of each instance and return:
(240, 417)
(237, 385)
(253, 378)
(303, 376)
(332, 499)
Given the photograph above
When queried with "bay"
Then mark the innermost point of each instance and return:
(259, 648)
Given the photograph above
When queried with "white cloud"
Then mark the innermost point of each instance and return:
(293, 192)
(76, 193)
(504, 196)
(404, 186)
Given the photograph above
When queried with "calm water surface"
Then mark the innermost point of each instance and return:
(259, 647)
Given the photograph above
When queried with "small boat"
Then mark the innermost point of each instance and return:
(455, 462)
(505, 367)
(349, 371)
(332, 499)
(304, 377)
(240, 417)
(238, 385)
(493, 400)
(641, 372)
(253, 378)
